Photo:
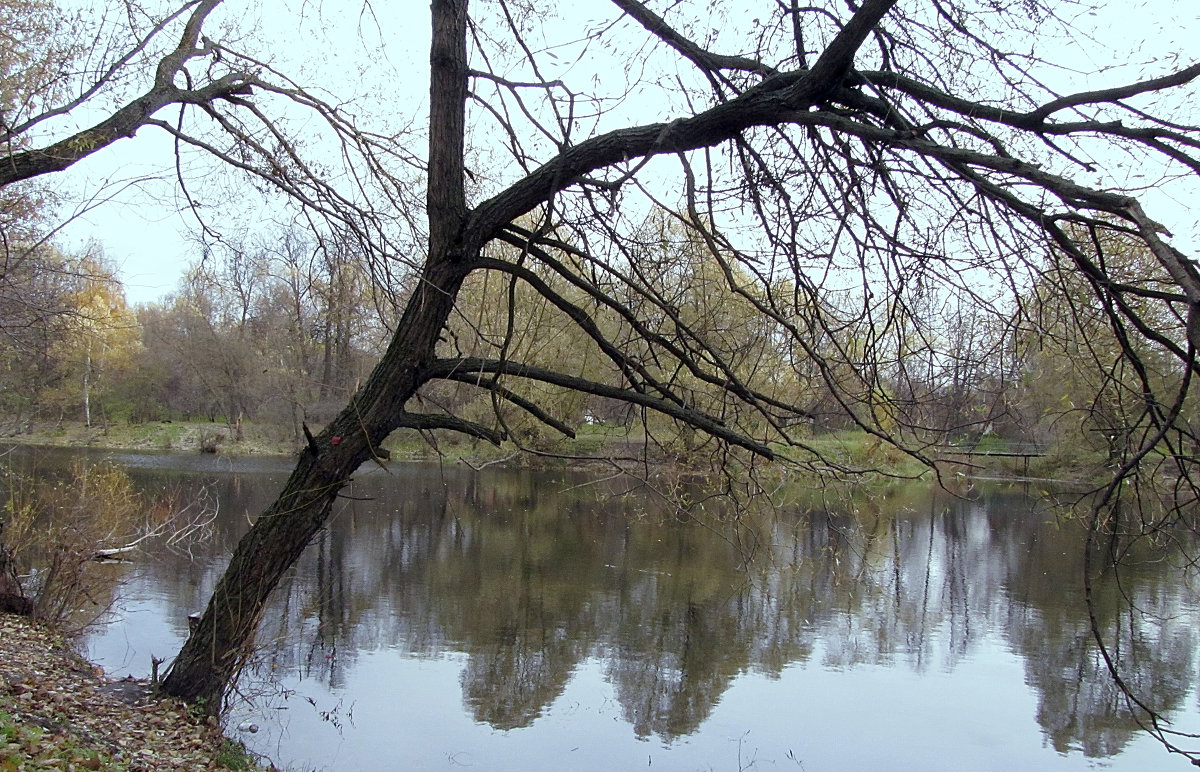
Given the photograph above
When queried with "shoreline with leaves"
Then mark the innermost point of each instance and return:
(58, 711)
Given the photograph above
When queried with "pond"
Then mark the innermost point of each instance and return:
(518, 620)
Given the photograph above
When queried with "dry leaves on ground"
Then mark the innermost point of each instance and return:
(57, 711)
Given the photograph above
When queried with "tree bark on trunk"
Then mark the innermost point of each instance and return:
(224, 636)
(222, 640)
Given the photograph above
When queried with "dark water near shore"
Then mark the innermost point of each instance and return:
(502, 619)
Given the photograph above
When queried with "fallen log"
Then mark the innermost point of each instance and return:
(114, 553)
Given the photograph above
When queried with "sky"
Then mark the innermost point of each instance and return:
(143, 229)
(147, 231)
(144, 224)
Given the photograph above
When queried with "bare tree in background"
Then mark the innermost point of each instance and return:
(847, 171)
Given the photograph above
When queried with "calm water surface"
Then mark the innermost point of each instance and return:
(510, 620)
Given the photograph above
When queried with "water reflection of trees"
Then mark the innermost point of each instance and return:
(531, 581)
(1080, 706)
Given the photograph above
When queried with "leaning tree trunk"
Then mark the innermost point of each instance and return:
(220, 643)
(224, 637)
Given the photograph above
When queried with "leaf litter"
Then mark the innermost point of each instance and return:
(59, 712)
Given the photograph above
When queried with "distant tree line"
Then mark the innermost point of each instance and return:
(276, 333)
(280, 330)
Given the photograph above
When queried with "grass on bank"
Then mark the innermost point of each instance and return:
(183, 436)
(844, 449)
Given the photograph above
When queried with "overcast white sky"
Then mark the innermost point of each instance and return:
(147, 231)
(146, 228)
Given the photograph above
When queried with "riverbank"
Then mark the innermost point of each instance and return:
(196, 437)
(58, 711)
(843, 450)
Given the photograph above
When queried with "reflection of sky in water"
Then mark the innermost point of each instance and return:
(979, 717)
(949, 673)
(142, 627)
(402, 712)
